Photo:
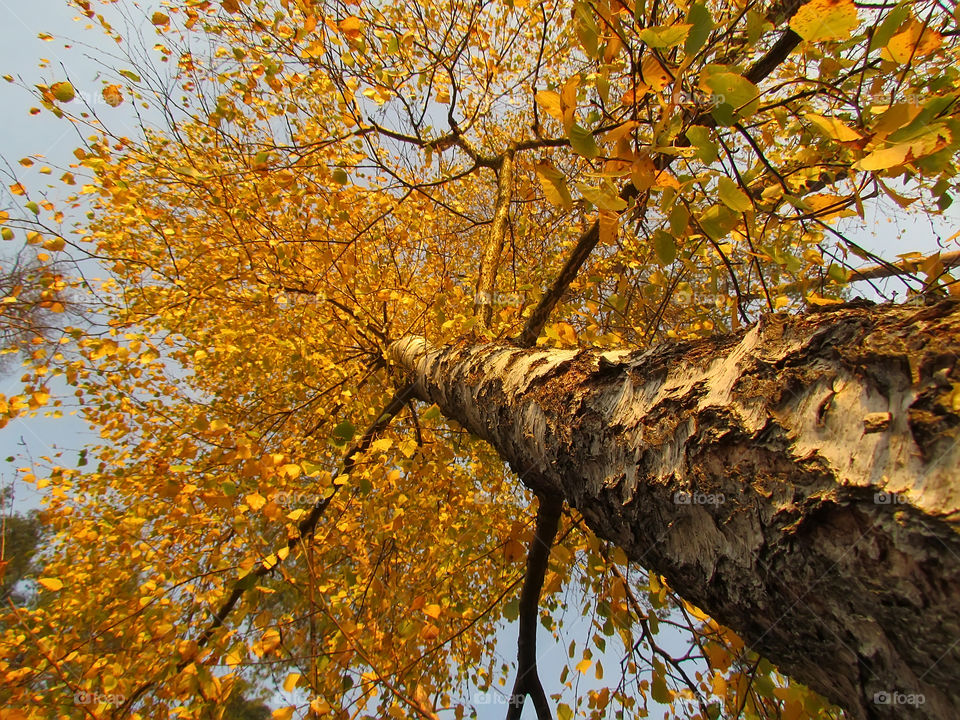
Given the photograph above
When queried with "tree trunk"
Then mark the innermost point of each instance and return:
(797, 480)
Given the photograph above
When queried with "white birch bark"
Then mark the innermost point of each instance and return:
(798, 480)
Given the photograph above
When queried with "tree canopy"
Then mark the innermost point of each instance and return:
(312, 180)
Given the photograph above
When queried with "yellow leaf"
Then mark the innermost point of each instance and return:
(833, 128)
(381, 445)
(566, 332)
(608, 223)
(884, 158)
(408, 448)
(63, 91)
(829, 206)
(820, 20)
(914, 42)
(319, 706)
(112, 95)
(255, 501)
(584, 665)
(284, 713)
(291, 681)
(550, 102)
(893, 118)
(160, 18)
(815, 299)
(351, 27)
(430, 632)
(235, 657)
(621, 131)
(50, 583)
(432, 610)
(554, 185)
(654, 73)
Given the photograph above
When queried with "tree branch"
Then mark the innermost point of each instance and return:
(538, 555)
(490, 262)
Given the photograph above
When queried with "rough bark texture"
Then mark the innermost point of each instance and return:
(798, 480)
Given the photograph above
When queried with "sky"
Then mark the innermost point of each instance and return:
(22, 134)
(887, 231)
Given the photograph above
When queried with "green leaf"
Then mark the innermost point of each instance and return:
(604, 197)
(701, 24)
(229, 488)
(6, 233)
(891, 23)
(344, 432)
(725, 114)
(554, 185)
(33, 207)
(586, 28)
(732, 196)
(731, 89)
(679, 218)
(340, 176)
(564, 712)
(837, 273)
(130, 75)
(582, 142)
(665, 36)
(310, 468)
(665, 246)
(718, 221)
(658, 688)
(247, 582)
(699, 137)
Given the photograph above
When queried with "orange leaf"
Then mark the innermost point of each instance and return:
(50, 583)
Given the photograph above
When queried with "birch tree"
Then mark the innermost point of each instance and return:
(413, 327)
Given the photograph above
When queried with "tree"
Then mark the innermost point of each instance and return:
(21, 534)
(315, 183)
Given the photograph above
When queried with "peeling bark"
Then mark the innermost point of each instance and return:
(797, 480)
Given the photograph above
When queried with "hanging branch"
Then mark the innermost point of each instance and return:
(528, 679)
